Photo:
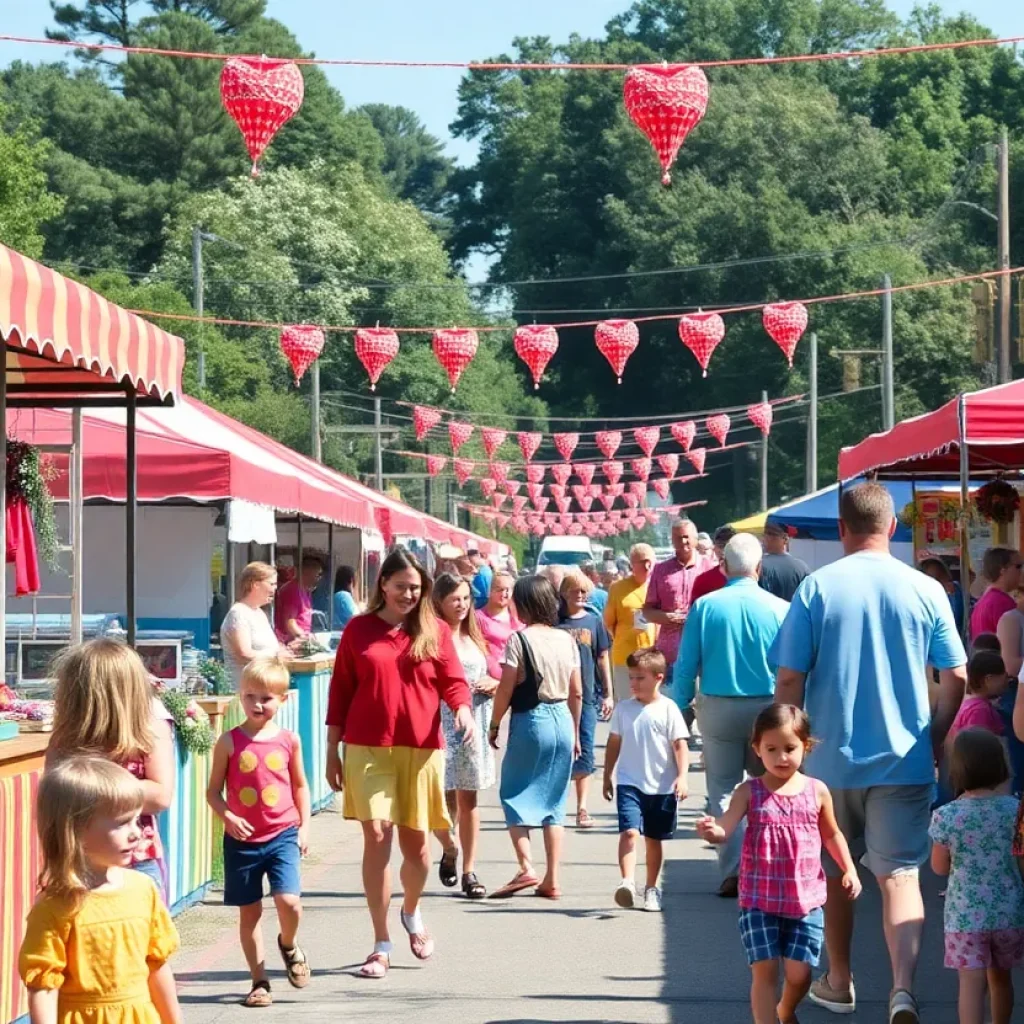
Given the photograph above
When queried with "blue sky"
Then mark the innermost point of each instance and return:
(437, 30)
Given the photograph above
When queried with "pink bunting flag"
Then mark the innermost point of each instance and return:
(561, 471)
(424, 420)
(647, 438)
(684, 433)
(529, 442)
(512, 487)
(608, 441)
(761, 416)
(613, 471)
(463, 470)
(566, 444)
(540, 503)
(641, 468)
(608, 500)
(535, 474)
(488, 485)
(436, 464)
(499, 470)
(534, 491)
(493, 438)
(639, 488)
(586, 502)
(557, 490)
(697, 457)
(718, 427)
(662, 488)
(669, 464)
(585, 471)
(518, 504)
(459, 433)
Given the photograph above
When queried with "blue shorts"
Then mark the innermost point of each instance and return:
(245, 865)
(772, 937)
(584, 764)
(652, 815)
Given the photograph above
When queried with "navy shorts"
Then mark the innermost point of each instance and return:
(246, 864)
(584, 764)
(771, 937)
(652, 815)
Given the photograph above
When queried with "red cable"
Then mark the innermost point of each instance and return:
(477, 66)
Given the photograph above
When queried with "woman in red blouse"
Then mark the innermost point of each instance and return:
(394, 666)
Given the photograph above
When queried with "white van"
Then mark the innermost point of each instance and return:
(565, 551)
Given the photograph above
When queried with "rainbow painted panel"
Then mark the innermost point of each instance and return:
(313, 688)
(19, 870)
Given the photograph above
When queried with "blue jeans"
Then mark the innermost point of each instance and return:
(1014, 745)
(584, 764)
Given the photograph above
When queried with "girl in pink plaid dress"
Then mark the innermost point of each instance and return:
(788, 818)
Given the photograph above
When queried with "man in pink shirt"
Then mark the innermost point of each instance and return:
(293, 606)
(1001, 567)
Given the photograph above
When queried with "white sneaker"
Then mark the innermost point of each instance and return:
(652, 899)
(625, 895)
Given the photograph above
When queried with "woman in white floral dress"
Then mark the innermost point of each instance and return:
(468, 768)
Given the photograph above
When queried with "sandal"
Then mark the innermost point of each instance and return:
(295, 964)
(584, 820)
(375, 966)
(259, 995)
(523, 880)
(548, 894)
(472, 888)
(421, 944)
(447, 870)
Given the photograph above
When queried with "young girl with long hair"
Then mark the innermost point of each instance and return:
(394, 666)
(468, 769)
(98, 938)
(790, 817)
(104, 705)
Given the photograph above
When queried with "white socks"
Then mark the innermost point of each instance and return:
(413, 923)
(382, 947)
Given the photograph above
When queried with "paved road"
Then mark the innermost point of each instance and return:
(528, 960)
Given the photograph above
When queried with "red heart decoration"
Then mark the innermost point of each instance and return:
(585, 471)
(261, 95)
(535, 344)
(375, 347)
(718, 427)
(761, 416)
(684, 433)
(566, 444)
(459, 433)
(785, 323)
(617, 341)
(669, 464)
(647, 438)
(701, 333)
(697, 457)
(463, 470)
(454, 350)
(302, 346)
(666, 103)
(493, 439)
(608, 441)
(529, 442)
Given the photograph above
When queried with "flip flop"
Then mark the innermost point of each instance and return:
(375, 966)
(548, 894)
(259, 996)
(521, 881)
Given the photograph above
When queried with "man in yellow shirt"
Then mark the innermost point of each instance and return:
(624, 616)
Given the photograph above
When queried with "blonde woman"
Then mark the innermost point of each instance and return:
(246, 632)
(395, 665)
(104, 705)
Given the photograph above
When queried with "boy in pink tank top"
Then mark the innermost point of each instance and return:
(259, 790)
(788, 817)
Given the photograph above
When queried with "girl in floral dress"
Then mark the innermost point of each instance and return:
(972, 841)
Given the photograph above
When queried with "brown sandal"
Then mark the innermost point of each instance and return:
(295, 964)
(259, 995)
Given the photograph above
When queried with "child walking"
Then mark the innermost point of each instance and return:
(987, 681)
(647, 744)
(266, 814)
(782, 883)
(98, 938)
(972, 842)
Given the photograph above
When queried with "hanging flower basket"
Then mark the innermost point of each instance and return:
(997, 502)
(190, 721)
(27, 477)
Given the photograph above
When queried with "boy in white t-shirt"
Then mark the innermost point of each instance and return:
(648, 743)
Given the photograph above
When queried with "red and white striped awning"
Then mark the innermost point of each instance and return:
(65, 341)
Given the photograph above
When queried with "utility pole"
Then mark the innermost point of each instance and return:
(812, 421)
(1003, 341)
(378, 447)
(764, 462)
(888, 395)
(315, 413)
(197, 298)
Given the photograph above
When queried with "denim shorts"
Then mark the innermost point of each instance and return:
(652, 815)
(246, 864)
(584, 764)
(773, 937)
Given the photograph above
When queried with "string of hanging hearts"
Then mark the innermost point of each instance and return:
(596, 524)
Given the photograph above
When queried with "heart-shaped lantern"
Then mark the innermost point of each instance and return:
(557, 490)
(718, 427)
(669, 464)
(785, 323)
(566, 444)
(608, 441)
(662, 488)
(697, 457)
(459, 433)
(493, 438)
(302, 345)
(666, 103)
(761, 416)
(529, 442)
(641, 468)
(617, 341)
(375, 347)
(684, 433)
(535, 474)
(613, 471)
(535, 344)
(701, 333)
(647, 438)
(512, 487)
(585, 471)
(463, 470)
(424, 420)
(261, 95)
(436, 464)
(561, 471)
(499, 470)
(454, 350)
(488, 486)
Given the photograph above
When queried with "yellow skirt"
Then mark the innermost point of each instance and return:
(403, 785)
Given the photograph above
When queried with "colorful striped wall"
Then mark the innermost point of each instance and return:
(19, 870)
(312, 689)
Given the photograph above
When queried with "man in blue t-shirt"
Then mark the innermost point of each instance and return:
(480, 584)
(855, 651)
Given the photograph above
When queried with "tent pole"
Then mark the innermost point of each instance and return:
(131, 503)
(965, 497)
(3, 524)
(330, 577)
(75, 525)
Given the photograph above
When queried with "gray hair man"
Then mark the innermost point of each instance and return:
(855, 650)
(726, 643)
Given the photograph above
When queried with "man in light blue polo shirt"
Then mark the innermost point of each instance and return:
(854, 651)
(726, 643)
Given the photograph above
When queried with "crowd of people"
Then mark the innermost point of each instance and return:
(842, 725)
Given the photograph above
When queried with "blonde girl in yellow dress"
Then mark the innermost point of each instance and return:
(98, 938)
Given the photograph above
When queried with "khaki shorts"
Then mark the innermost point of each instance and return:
(886, 827)
(403, 785)
(620, 683)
